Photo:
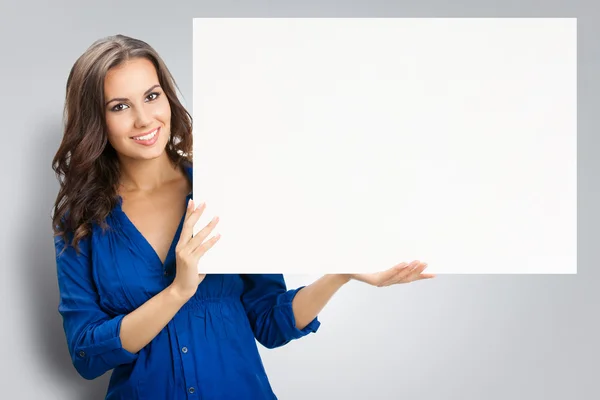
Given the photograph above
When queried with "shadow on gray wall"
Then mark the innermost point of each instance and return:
(39, 283)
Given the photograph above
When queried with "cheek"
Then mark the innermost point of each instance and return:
(118, 128)
(163, 113)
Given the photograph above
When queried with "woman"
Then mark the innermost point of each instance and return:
(131, 298)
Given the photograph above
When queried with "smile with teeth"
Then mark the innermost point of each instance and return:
(146, 137)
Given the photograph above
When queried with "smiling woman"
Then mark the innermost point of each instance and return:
(131, 297)
(130, 83)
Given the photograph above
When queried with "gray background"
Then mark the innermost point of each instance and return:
(456, 337)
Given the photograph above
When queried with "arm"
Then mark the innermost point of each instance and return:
(312, 299)
(309, 301)
(99, 342)
(278, 315)
(143, 324)
(268, 305)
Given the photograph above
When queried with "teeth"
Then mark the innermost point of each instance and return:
(148, 136)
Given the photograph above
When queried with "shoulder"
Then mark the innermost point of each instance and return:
(65, 248)
(65, 242)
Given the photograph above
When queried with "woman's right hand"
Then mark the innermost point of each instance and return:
(190, 249)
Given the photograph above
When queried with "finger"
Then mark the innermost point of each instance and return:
(401, 266)
(405, 273)
(202, 249)
(384, 276)
(400, 269)
(392, 274)
(377, 278)
(192, 216)
(415, 273)
(204, 232)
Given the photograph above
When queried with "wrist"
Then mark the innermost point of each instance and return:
(178, 294)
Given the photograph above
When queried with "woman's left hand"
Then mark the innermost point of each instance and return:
(401, 273)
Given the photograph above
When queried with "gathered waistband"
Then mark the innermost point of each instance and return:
(196, 303)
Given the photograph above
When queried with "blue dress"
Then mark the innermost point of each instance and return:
(207, 351)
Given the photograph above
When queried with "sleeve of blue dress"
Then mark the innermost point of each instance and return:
(268, 305)
(92, 335)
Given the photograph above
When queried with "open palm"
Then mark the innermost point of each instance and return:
(401, 273)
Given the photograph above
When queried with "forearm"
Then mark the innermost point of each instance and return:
(311, 299)
(139, 327)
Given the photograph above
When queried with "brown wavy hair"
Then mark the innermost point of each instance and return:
(86, 164)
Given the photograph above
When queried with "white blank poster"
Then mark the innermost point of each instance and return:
(350, 145)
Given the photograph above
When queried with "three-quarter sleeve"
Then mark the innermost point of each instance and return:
(92, 335)
(268, 305)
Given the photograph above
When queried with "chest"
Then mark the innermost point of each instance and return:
(127, 273)
(156, 217)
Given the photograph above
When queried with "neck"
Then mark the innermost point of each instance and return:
(146, 175)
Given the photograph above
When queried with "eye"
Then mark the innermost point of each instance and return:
(116, 108)
(120, 107)
(155, 94)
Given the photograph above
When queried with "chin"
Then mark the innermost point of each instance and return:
(151, 155)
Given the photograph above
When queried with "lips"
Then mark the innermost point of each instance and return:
(148, 138)
(145, 136)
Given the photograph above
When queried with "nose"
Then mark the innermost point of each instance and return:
(142, 118)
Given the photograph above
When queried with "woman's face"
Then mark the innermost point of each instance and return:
(138, 113)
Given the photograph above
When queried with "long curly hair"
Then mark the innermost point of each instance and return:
(86, 164)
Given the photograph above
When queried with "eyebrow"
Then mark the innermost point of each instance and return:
(126, 99)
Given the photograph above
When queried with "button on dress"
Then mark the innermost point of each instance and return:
(207, 351)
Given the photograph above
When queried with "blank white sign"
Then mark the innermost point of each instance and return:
(351, 145)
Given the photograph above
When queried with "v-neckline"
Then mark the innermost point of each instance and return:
(140, 236)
